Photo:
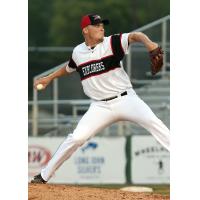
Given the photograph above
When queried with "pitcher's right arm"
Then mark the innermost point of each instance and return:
(45, 81)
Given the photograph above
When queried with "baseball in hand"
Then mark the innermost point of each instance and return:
(40, 86)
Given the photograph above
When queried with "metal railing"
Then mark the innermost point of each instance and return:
(77, 105)
(82, 105)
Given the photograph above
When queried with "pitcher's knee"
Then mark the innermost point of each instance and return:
(78, 140)
(81, 135)
(151, 122)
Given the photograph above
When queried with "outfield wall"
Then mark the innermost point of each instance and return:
(104, 160)
(101, 160)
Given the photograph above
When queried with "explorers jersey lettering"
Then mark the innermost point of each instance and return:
(101, 72)
(91, 69)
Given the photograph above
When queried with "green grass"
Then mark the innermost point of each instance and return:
(158, 189)
(161, 189)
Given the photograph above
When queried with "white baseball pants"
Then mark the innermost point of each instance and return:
(102, 114)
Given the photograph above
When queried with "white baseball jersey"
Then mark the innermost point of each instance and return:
(101, 73)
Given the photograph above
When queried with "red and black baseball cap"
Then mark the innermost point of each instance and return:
(92, 19)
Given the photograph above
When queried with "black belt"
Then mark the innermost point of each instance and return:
(108, 99)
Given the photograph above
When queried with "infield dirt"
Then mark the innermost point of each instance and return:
(66, 192)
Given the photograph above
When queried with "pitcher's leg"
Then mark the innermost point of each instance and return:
(139, 112)
(154, 125)
(94, 120)
(64, 151)
(158, 129)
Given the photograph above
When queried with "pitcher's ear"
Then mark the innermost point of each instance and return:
(85, 30)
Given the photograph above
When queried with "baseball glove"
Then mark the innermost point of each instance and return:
(156, 57)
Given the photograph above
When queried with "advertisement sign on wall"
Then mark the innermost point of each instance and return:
(150, 161)
(100, 160)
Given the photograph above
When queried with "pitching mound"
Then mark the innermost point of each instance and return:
(65, 192)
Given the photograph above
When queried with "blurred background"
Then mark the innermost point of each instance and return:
(54, 30)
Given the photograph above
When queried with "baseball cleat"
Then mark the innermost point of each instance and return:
(38, 179)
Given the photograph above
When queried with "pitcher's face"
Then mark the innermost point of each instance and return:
(96, 32)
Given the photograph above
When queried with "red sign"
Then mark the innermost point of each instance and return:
(38, 156)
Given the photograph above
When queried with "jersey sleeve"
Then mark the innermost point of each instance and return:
(124, 42)
(119, 45)
(71, 66)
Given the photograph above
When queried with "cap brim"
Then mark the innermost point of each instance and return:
(105, 21)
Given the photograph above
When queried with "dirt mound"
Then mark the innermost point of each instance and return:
(66, 192)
